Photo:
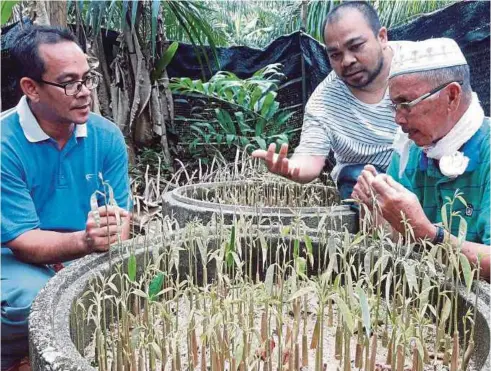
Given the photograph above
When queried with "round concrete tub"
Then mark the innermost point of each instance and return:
(199, 202)
(53, 327)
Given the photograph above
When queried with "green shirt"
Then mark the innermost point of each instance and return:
(422, 176)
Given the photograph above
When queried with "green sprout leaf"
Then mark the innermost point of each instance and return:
(155, 286)
(365, 310)
(132, 268)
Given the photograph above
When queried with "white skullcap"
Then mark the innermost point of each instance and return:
(426, 55)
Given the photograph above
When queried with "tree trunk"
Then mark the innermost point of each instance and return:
(57, 11)
(303, 13)
(38, 12)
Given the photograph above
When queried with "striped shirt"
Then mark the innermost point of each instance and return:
(357, 132)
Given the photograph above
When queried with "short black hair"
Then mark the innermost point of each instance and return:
(367, 11)
(25, 48)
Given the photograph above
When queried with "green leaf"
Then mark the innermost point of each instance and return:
(164, 61)
(155, 286)
(296, 248)
(461, 199)
(7, 7)
(256, 94)
(300, 266)
(308, 245)
(230, 249)
(345, 312)
(266, 103)
(260, 142)
(268, 280)
(462, 229)
(229, 139)
(410, 271)
(365, 310)
(301, 292)
(444, 216)
(132, 268)
(259, 129)
(467, 271)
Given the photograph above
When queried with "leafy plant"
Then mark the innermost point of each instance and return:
(237, 112)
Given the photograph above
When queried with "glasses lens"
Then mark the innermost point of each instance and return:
(72, 88)
(92, 82)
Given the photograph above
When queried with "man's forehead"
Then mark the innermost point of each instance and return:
(404, 85)
(64, 59)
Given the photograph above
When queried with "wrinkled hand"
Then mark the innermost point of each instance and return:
(362, 191)
(99, 236)
(278, 163)
(395, 201)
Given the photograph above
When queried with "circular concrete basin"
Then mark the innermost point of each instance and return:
(267, 202)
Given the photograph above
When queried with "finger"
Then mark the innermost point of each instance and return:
(371, 169)
(270, 154)
(381, 187)
(110, 230)
(102, 244)
(360, 195)
(368, 178)
(363, 185)
(259, 153)
(283, 152)
(396, 185)
(111, 210)
(108, 220)
(286, 170)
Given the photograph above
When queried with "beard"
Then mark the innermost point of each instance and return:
(371, 75)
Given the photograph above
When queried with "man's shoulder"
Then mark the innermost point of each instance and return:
(10, 125)
(102, 125)
(332, 86)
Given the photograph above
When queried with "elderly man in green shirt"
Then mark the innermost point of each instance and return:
(442, 148)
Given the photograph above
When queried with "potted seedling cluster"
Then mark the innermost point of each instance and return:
(246, 297)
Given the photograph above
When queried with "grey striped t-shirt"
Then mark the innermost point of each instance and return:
(357, 132)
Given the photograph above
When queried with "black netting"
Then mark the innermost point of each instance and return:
(466, 22)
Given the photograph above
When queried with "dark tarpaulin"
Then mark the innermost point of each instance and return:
(466, 22)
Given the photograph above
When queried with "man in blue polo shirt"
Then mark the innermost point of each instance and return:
(55, 154)
(444, 148)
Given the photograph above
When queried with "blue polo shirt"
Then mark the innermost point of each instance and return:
(47, 188)
(423, 177)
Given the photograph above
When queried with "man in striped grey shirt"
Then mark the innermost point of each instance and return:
(349, 112)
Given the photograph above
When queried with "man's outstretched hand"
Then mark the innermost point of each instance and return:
(278, 163)
(102, 231)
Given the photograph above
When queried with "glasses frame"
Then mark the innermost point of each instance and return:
(408, 105)
(81, 82)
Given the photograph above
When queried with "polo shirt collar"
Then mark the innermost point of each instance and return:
(471, 149)
(30, 125)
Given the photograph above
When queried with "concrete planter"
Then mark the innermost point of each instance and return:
(53, 327)
(195, 202)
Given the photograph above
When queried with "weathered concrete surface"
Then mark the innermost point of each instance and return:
(50, 324)
(181, 205)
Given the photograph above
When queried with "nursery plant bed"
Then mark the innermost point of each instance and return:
(264, 201)
(62, 321)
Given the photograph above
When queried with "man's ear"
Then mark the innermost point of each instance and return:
(455, 93)
(382, 36)
(30, 88)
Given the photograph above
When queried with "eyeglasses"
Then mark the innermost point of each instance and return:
(408, 105)
(73, 87)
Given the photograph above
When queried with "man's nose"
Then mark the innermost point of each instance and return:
(348, 59)
(400, 118)
(84, 91)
